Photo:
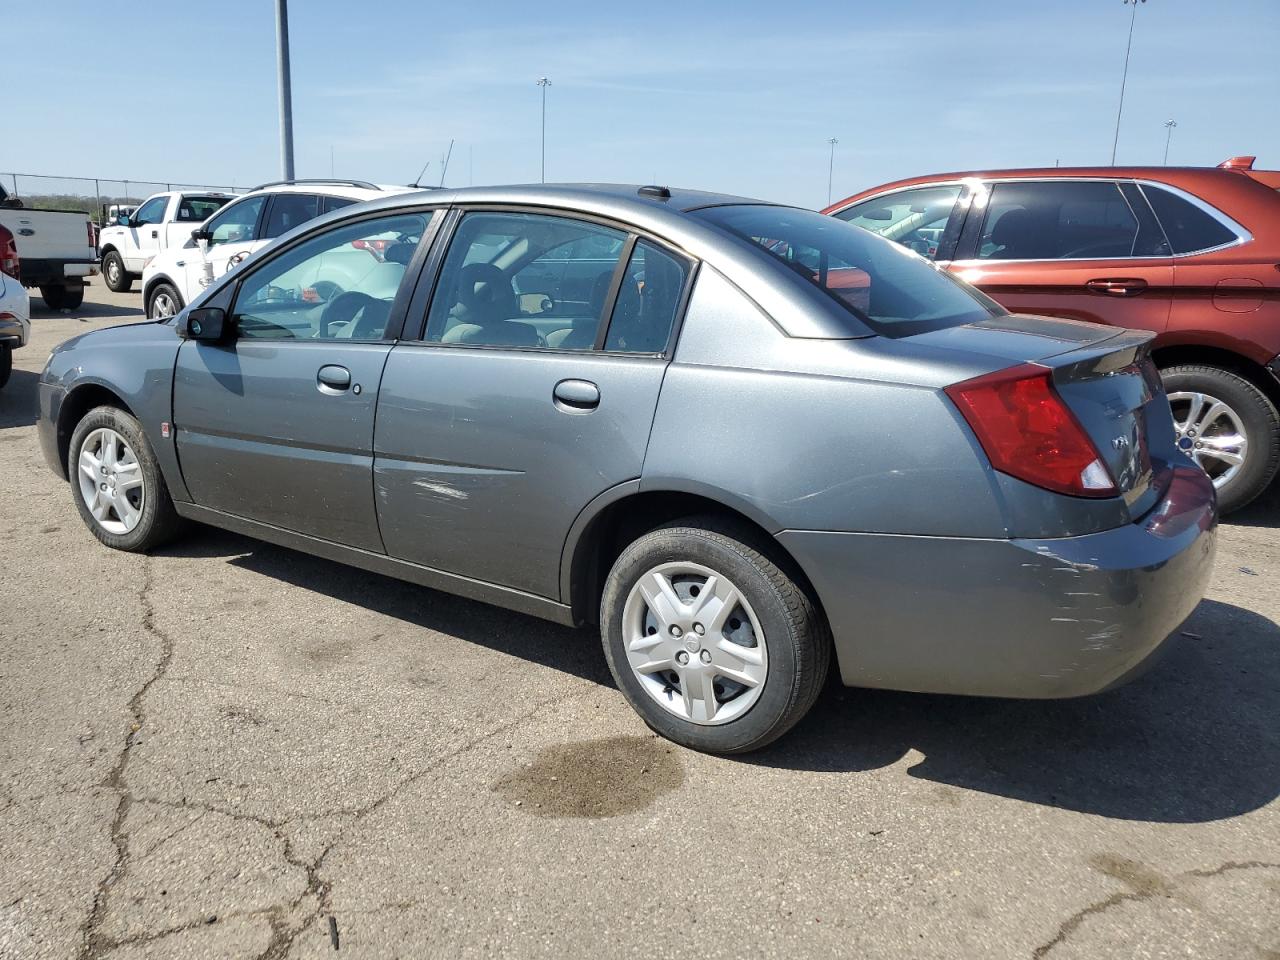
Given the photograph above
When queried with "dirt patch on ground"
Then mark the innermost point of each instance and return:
(596, 778)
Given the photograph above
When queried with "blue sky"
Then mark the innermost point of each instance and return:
(735, 96)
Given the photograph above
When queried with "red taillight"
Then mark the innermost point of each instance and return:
(9, 262)
(93, 240)
(1028, 431)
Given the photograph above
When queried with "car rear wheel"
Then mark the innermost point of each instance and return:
(710, 639)
(165, 302)
(116, 482)
(1228, 426)
(114, 274)
(63, 296)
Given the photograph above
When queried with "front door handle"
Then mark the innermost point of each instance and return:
(155, 234)
(1118, 287)
(576, 396)
(332, 378)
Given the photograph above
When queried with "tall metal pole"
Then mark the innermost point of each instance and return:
(286, 94)
(831, 167)
(1168, 126)
(1124, 77)
(543, 82)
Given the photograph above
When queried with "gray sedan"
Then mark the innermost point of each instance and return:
(738, 437)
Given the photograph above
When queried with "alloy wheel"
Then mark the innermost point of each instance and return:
(111, 482)
(1211, 433)
(162, 306)
(694, 643)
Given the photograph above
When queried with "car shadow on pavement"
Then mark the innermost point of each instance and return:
(88, 310)
(1194, 739)
(18, 405)
(576, 652)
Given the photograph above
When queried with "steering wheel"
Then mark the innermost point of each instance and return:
(343, 309)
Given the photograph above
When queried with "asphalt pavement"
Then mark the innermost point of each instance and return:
(227, 749)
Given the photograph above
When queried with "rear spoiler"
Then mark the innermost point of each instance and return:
(1237, 163)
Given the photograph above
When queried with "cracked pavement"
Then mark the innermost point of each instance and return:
(214, 750)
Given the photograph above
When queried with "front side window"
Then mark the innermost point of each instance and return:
(288, 210)
(338, 285)
(236, 223)
(1058, 220)
(916, 219)
(1188, 227)
(151, 212)
(890, 290)
(524, 280)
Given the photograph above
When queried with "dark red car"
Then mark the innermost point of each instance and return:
(1192, 254)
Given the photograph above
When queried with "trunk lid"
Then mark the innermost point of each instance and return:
(1104, 375)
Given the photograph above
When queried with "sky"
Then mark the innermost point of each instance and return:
(739, 97)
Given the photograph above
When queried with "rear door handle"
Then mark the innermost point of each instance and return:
(332, 378)
(576, 395)
(1118, 287)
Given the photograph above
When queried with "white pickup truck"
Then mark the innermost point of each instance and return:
(162, 221)
(55, 248)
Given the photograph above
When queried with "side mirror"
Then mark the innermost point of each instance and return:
(207, 324)
(205, 235)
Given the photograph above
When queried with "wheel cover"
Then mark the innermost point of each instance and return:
(110, 480)
(694, 643)
(113, 270)
(162, 305)
(1211, 433)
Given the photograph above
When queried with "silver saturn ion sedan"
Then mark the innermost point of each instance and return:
(739, 437)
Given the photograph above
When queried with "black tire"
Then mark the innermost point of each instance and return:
(165, 288)
(159, 522)
(63, 296)
(6, 364)
(796, 636)
(1258, 416)
(116, 277)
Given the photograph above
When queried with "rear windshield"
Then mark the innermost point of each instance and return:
(894, 292)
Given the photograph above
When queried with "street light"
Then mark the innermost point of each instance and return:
(286, 94)
(543, 82)
(1168, 125)
(831, 166)
(1124, 76)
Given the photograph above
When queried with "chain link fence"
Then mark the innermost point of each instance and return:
(91, 195)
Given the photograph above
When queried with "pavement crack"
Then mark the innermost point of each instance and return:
(1069, 926)
(93, 943)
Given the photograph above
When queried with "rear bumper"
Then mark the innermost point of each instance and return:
(1013, 618)
(38, 273)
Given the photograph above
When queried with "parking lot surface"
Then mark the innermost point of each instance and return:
(228, 749)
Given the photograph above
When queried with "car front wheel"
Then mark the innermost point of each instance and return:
(1226, 425)
(117, 278)
(165, 302)
(710, 639)
(116, 482)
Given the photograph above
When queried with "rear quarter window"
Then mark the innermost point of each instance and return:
(1189, 227)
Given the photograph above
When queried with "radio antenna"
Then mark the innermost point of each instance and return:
(445, 167)
(418, 180)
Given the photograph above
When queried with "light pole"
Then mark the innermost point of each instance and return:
(1124, 76)
(286, 95)
(543, 82)
(1168, 126)
(831, 166)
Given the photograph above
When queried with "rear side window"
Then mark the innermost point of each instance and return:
(329, 204)
(1188, 227)
(916, 219)
(648, 301)
(288, 210)
(1058, 220)
(892, 291)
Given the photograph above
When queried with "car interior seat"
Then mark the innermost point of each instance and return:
(1021, 235)
(582, 335)
(483, 305)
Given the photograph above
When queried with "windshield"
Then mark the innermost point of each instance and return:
(893, 291)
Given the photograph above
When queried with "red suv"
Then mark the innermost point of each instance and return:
(1192, 254)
